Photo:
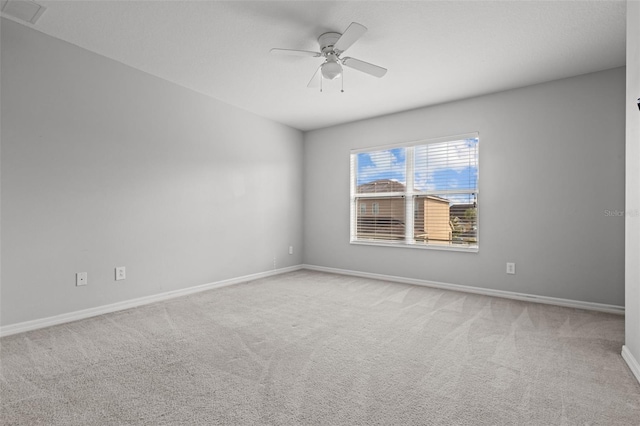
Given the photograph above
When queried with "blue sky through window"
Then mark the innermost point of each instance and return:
(376, 165)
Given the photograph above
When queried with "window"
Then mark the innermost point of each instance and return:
(422, 194)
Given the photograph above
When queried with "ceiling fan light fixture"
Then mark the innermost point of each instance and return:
(331, 70)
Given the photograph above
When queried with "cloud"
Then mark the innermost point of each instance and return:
(387, 164)
(446, 165)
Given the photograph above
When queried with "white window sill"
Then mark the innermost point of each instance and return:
(402, 244)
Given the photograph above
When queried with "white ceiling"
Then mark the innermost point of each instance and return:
(436, 51)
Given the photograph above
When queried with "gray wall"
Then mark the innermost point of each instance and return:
(551, 162)
(632, 306)
(105, 166)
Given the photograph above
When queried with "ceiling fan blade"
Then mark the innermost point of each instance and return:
(365, 67)
(315, 80)
(350, 36)
(293, 52)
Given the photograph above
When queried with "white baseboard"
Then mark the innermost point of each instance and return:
(600, 307)
(633, 364)
(21, 327)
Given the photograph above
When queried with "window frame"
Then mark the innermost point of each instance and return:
(410, 195)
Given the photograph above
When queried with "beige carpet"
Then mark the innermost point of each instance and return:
(315, 348)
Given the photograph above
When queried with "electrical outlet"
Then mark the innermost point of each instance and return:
(511, 268)
(81, 278)
(290, 249)
(121, 273)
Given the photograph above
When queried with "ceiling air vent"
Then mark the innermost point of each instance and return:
(24, 10)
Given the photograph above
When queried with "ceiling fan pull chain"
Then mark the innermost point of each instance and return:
(342, 82)
(321, 83)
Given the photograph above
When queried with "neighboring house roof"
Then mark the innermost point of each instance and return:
(381, 185)
(434, 198)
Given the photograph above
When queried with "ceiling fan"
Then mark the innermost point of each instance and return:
(332, 45)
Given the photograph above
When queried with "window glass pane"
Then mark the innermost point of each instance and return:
(381, 171)
(450, 219)
(451, 165)
(383, 221)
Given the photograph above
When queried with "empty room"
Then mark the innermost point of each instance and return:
(320, 212)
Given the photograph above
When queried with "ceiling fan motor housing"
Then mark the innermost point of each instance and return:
(327, 41)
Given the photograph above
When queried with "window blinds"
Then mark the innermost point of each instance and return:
(423, 194)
